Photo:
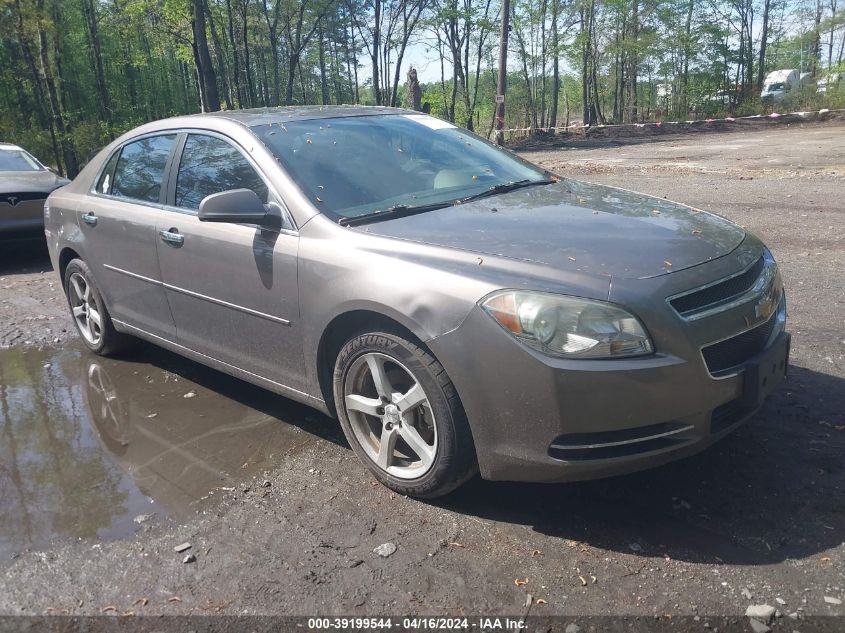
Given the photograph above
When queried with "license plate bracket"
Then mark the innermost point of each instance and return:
(765, 372)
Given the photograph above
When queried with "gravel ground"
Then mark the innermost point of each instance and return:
(757, 519)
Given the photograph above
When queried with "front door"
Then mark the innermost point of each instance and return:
(232, 288)
(119, 227)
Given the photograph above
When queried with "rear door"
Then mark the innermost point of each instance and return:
(118, 221)
(232, 288)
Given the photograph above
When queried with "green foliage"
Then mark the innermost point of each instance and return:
(680, 58)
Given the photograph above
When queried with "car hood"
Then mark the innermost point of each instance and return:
(29, 181)
(572, 225)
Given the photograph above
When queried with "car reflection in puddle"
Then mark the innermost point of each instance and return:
(89, 444)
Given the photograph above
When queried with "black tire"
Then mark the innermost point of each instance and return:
(110, 341)
(455, 460)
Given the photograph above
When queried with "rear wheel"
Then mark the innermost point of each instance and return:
(402, 416)
(89, 312)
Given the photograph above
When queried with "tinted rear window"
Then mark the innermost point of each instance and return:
(140, 169)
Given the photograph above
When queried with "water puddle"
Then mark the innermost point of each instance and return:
(88, 444)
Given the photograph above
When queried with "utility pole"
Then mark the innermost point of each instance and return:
(502, 83)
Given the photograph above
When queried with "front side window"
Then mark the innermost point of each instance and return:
(18, 160)
(354, 166)
(211, 165)
(140, 168)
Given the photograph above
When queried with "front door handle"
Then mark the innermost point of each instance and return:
(172, 236)
(90, 219)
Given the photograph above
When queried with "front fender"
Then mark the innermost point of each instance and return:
(428, 289)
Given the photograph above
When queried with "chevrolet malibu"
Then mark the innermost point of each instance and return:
(457, 308)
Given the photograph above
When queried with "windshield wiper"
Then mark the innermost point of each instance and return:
(396, 211)
(507, 186)
(403, 210)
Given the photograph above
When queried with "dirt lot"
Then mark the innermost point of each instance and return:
(105, 466)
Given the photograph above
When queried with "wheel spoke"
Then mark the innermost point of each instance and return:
(94, 317)
(416, 443)
(354, 402)
(80, 293)
(386, 447)
(78, 311)
(85, 328)
(383, 386)
(414, 397)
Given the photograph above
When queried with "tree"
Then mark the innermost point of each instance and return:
(208, 80)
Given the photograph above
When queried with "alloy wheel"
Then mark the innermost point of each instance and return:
(85, 311)
(390, 415)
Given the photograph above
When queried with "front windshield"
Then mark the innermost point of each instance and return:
(774, 87)
(353, 166)
(17, 160)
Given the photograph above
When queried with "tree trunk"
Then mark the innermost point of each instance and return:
(68, 153)
(687, 54)
(205, 70)
(632, 62)
(293, 61)
(90, 11)
(817, 39)
(236, 64)
(413, 93)
(376, 50)
(250, 86)
(586, 33)
(221, 60)
(764, 35)
(833, 28)
(324, 84)
(355, 65)
(555, 66)
(44, 118)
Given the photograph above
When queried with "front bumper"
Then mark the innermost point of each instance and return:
(18, 227)
(26, 216)
(538, 418)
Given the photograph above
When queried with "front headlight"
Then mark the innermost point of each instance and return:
(568, 326)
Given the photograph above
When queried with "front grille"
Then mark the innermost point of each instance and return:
(23, 196)
(730, 353)
(689, 304)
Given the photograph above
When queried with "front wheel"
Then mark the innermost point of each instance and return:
(402, 416)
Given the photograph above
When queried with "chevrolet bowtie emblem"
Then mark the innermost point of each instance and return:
(12, 200)
(765, 305)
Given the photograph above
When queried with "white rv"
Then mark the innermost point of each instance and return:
(778, 83)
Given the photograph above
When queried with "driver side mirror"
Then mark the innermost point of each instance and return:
(238, 206)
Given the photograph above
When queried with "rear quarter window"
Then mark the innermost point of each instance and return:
(140, 168)
(105, 181)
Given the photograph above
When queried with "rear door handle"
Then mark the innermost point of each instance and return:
(90, 218)
(172, 236)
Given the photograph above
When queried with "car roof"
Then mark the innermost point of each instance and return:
(283, 114)
(9, 146)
